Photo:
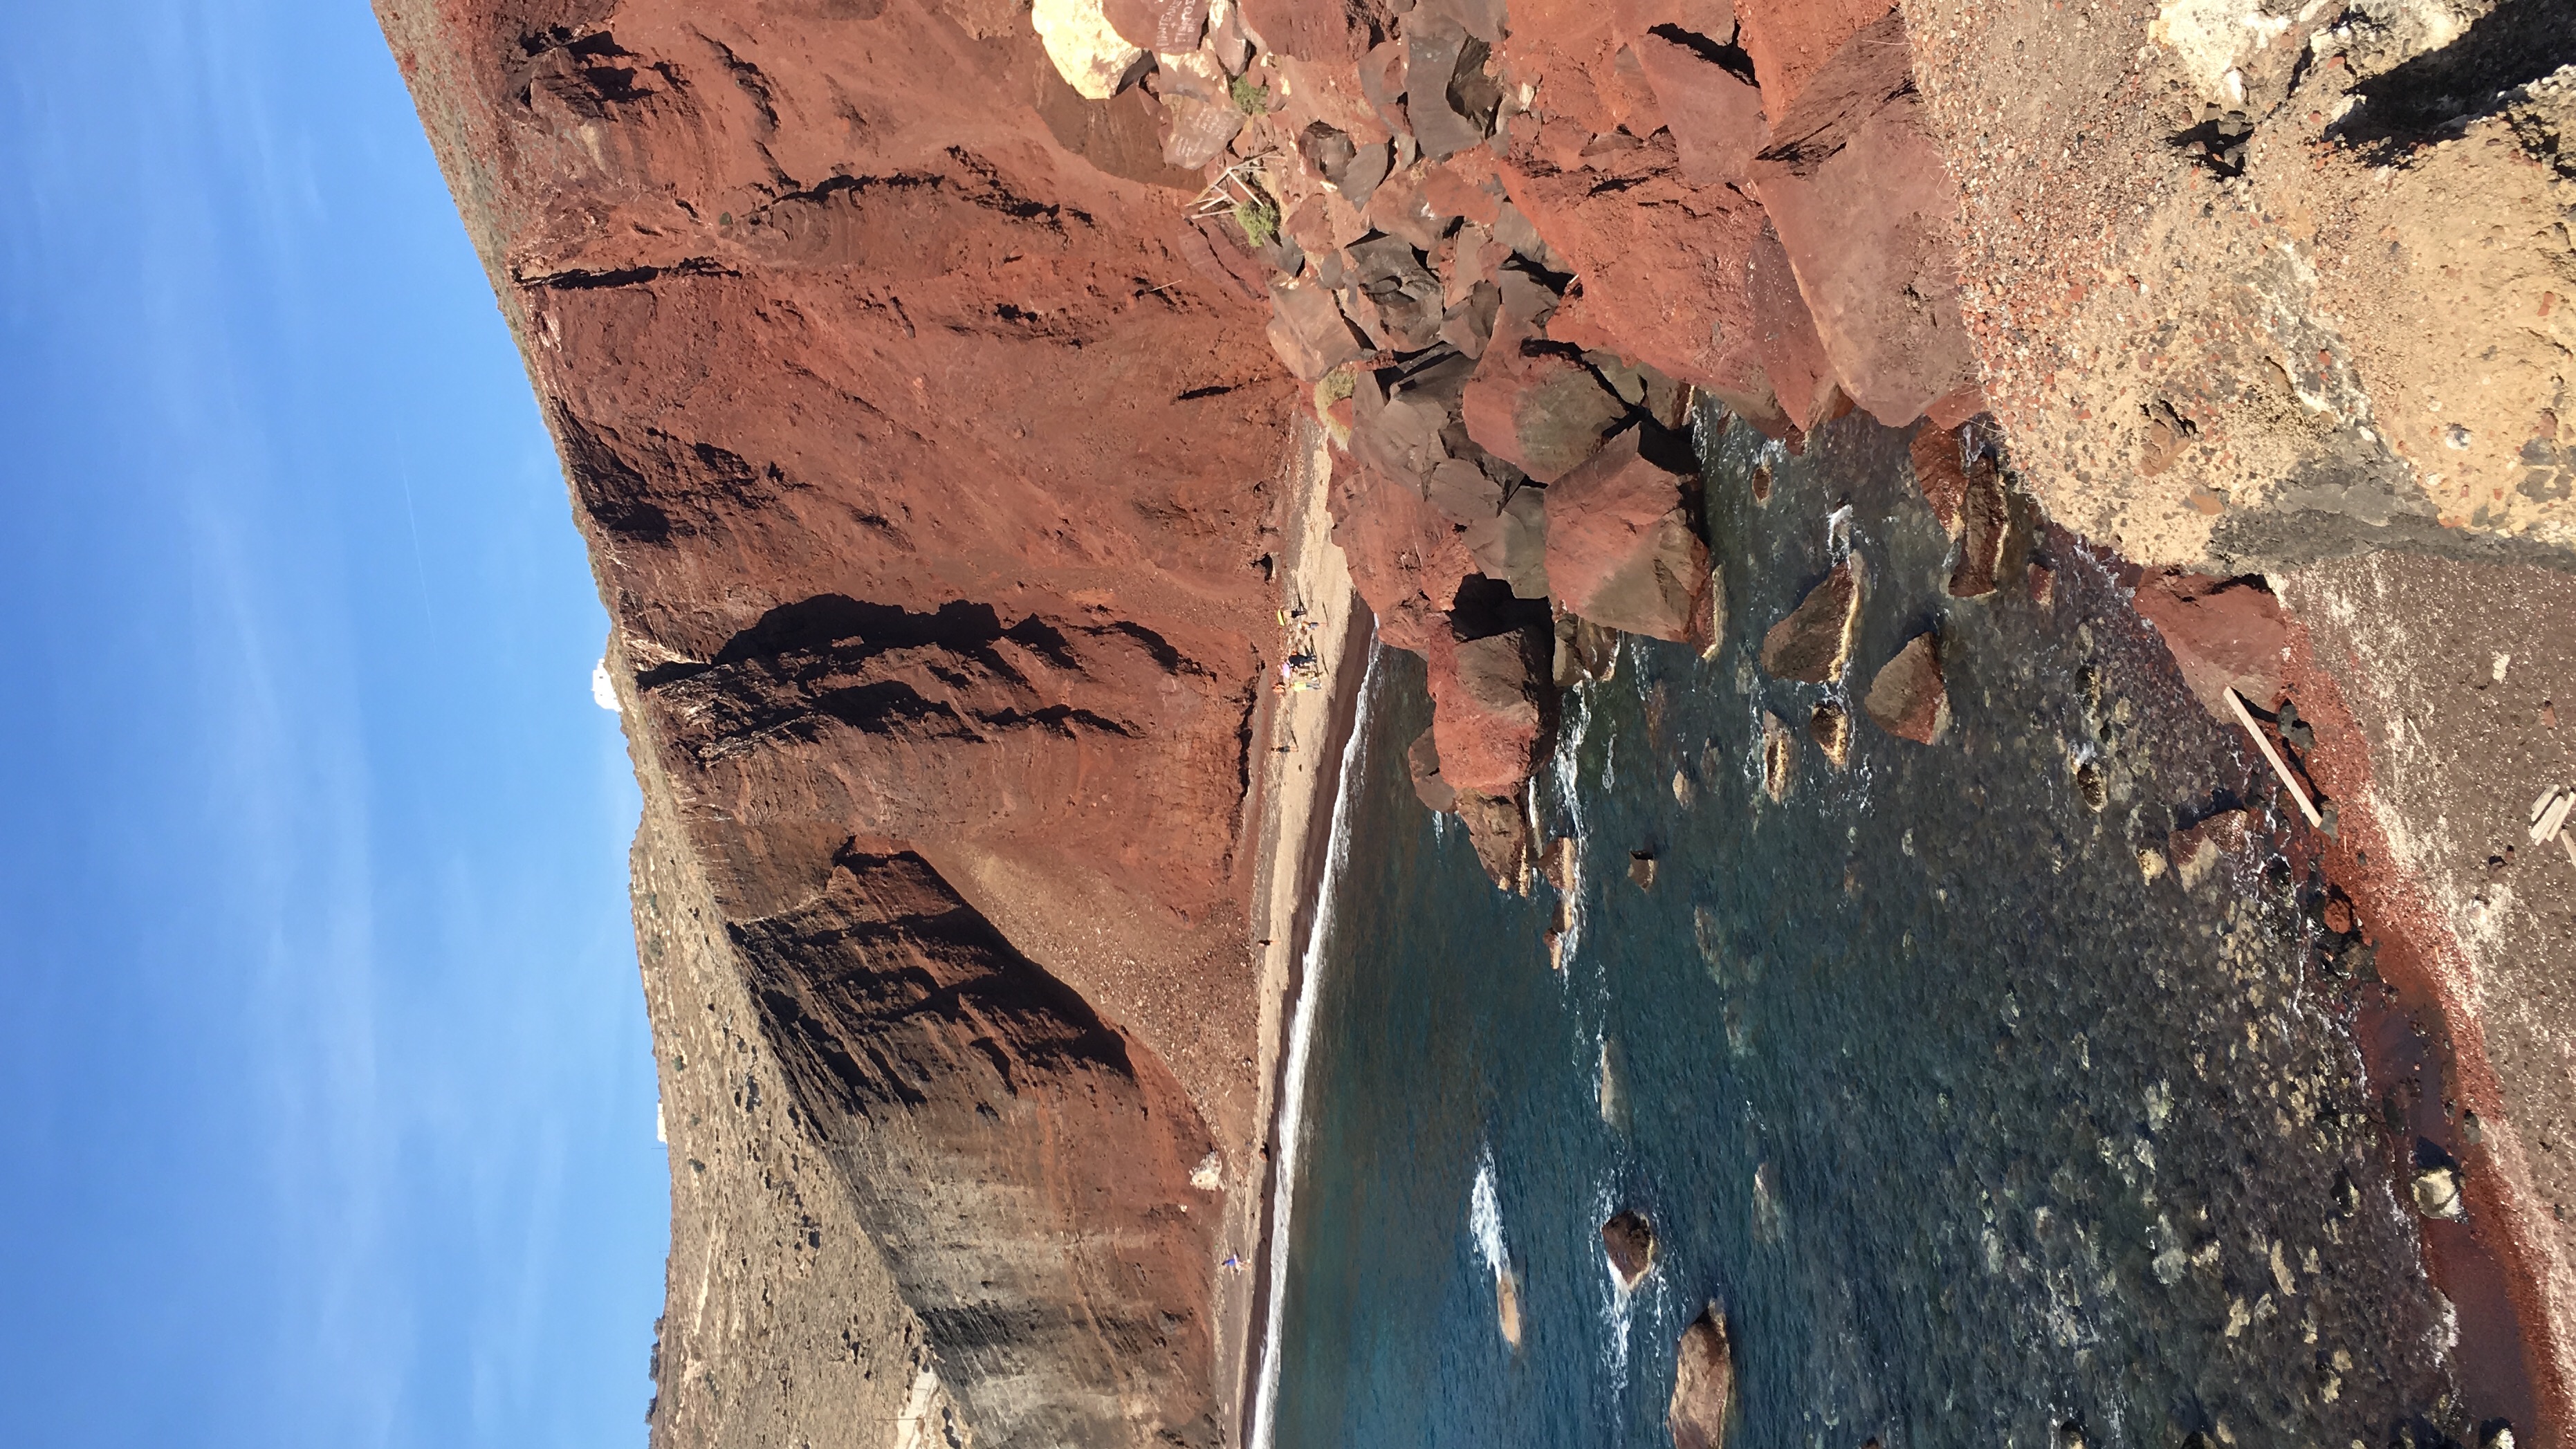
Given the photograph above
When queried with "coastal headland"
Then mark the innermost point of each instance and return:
(1002, 430)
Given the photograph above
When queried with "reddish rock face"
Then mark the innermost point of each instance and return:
(1861, 201)
(1620, 549)
(1793, 356)
(1791, 40)
(1715, 115)
(1485, 710)
(2224, 633)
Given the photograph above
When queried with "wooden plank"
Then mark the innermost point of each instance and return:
(2271, 756)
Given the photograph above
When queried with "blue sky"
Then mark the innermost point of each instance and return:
(326, 1099)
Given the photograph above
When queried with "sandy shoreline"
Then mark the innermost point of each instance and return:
(1287, 824)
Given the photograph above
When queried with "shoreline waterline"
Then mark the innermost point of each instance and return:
(1289, 1117)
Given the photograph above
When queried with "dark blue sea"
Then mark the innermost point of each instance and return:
(1972, 1129)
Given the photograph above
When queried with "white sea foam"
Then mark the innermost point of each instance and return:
(1485, 1216)
(1301, 1032)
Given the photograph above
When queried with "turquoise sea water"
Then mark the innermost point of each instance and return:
(1972, 1128)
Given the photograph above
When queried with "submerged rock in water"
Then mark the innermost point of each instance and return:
(1703, 1384)
(1830, 725)
(1814, 643)
(1908, 698)
(1630, 1241)
(1779, 758)
(1641, 869)
(1985, 517)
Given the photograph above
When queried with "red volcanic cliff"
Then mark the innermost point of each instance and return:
(927, 483)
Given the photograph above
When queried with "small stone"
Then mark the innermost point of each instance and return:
(2151, 863)
(1641, 869)
(1630, 1242)
(2437, 1193)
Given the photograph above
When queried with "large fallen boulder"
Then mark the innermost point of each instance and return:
(1866, 211)
(2224, 633)
(1703, 1384)
(1662, 263)
(1487, 709)
(1793, 356)
(1621, 551)
(1813, 644)
(1789, 41)
(1908, 698)
(1405, 559)
(1538, 406)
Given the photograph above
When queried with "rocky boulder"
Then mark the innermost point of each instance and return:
(1487, 710)
(1308, 330)
(1908, 698)
(1789, 41)
(1662, 262)
(1985, 529)
(1336, 31)
(1934, 453)
(1422, 762)
(1538, 406)
(1620, 548)
(1866, 211)
(1793, 356)
(1405, 560)
(1813, 645)
(1703, 1384)
(1629, 1240)
(1512, 544)
(1501, 836)
(2224, 633)
(1779, 758)
(1830, 727)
